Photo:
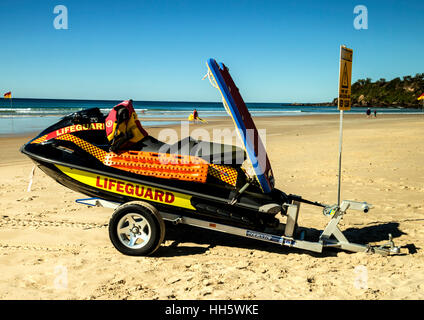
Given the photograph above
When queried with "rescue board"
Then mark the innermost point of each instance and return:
(236, 108)
(191, 118)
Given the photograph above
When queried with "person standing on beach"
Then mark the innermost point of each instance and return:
(375, 113)
(195, 115)
(368, 112)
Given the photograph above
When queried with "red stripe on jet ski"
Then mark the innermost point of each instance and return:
(70, 129)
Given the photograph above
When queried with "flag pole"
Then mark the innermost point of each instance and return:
(340, 131)
(343, 102)
(340, 157)
(11, 107)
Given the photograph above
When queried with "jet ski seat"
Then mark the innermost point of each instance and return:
(215, 153)
(212, 152)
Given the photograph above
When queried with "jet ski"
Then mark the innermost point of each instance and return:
(199, 183)
(193, 178)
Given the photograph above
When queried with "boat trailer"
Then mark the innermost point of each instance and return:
(284, 234)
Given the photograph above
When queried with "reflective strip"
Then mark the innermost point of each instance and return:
(224, 173)
(100, 154)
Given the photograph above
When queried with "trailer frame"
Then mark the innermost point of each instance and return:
(331, 236)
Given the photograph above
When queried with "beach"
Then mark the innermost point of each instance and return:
(54, 248)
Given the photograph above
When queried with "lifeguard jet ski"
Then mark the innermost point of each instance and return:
(200, 183)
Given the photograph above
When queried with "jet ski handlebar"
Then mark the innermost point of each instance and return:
(294, 197)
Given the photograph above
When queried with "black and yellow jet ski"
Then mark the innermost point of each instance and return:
(199, 183)
(187, 177)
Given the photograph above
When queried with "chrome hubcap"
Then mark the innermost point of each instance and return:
(133, 231)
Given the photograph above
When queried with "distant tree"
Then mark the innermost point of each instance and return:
(360, 82)
(400, 92)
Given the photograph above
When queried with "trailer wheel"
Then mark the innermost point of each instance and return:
(136, 229)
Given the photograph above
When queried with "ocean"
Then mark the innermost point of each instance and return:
(33, 115)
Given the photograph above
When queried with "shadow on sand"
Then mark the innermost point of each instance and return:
(184, 235)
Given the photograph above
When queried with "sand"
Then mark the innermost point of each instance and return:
(53, 248)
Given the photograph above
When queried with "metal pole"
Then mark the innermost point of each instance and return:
(340, 157)
(11, 111)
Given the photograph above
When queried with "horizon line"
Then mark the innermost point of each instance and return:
(175, 101)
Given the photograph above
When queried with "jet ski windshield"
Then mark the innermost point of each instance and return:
(86, 116)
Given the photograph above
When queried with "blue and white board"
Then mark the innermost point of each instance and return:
(244, 124)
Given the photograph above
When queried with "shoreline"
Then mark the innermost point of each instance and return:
(328, 104)
(172, 122)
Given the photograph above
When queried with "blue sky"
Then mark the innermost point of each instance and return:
(277, 51)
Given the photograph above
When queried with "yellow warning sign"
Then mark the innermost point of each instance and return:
(345, 78)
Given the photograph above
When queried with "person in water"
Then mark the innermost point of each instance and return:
(368, 112)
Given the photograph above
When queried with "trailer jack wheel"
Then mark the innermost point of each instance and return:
(136, 229)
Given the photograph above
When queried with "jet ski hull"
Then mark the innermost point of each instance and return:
(209, 201)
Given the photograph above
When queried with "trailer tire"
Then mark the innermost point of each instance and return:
(136, 229)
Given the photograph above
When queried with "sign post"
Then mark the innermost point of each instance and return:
(344, 102)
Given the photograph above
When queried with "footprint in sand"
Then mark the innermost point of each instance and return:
(26, 199)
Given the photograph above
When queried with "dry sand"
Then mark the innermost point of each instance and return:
(53, 248)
